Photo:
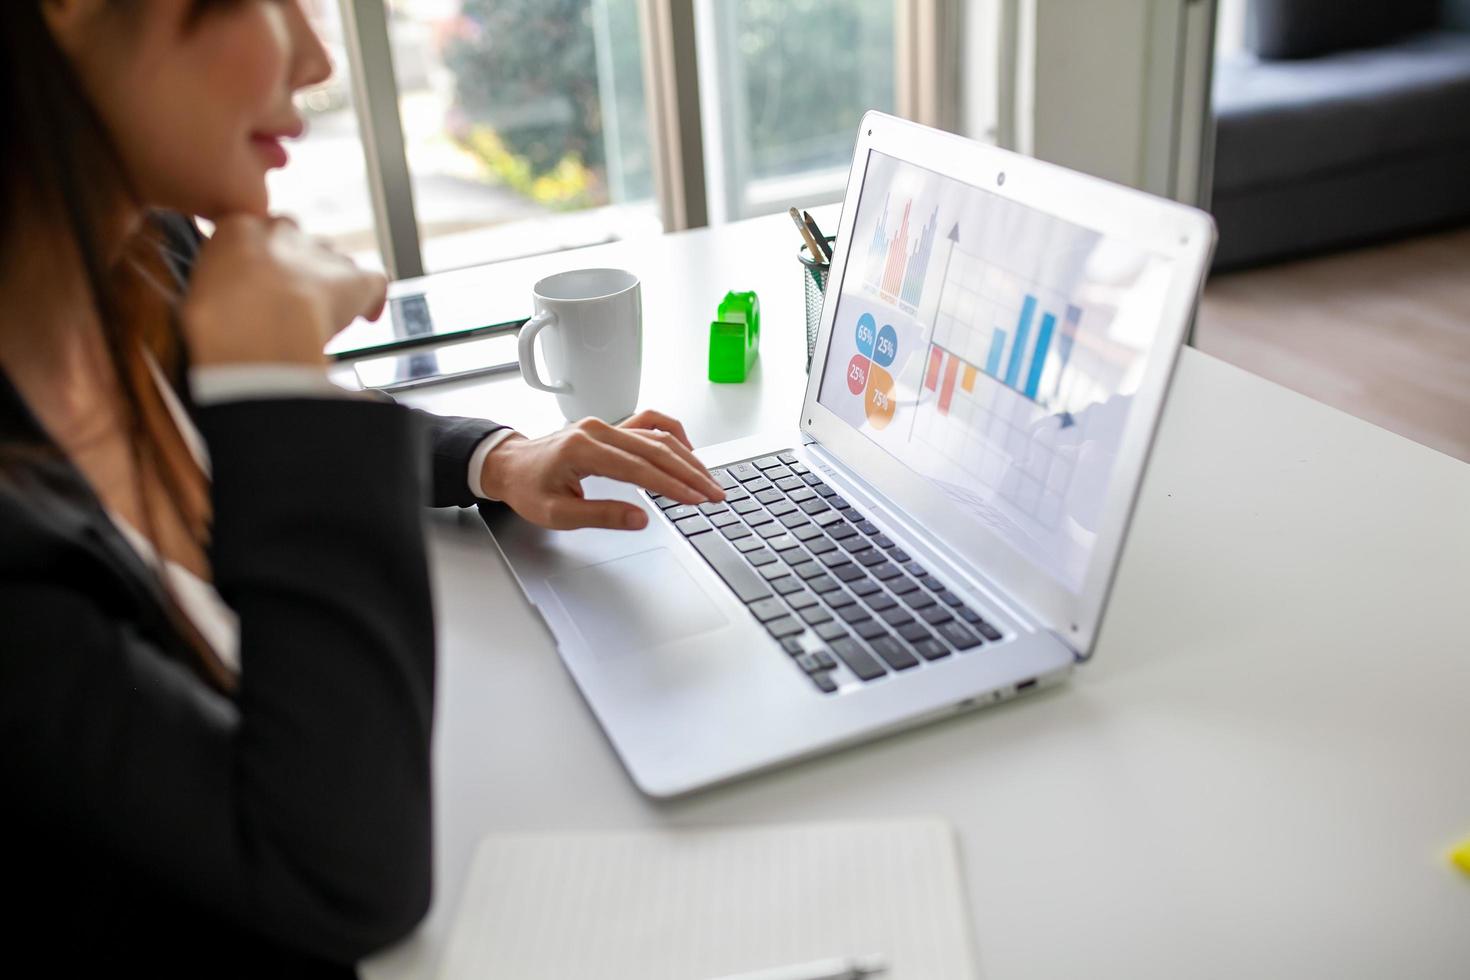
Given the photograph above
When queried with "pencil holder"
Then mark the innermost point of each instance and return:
(814, 286)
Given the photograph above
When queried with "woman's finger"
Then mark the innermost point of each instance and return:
(649, 419)
(594, 457)
(569, 513)
(667, 458)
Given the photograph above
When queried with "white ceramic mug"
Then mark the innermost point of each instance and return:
(593, 345)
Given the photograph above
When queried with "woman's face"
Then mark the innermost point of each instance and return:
(197, 105)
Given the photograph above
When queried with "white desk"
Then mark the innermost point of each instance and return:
(1257, 776)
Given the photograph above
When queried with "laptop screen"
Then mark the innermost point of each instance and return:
(994, 350)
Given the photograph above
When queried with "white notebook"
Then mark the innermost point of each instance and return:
(689, 904)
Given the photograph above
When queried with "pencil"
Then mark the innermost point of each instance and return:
(811, 223)
(819, 254)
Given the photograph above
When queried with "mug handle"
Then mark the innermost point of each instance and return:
(526, 346)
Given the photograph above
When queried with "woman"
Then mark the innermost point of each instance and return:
(216, 647)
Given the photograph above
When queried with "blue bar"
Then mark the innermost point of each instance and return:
(1069, 333)
(1013, 369)
(997, 344)
(1038, 360)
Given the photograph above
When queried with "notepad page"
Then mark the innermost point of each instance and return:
(689, 904)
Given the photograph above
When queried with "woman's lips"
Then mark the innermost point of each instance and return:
(271, 149)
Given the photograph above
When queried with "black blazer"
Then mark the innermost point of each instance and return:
(152, 822)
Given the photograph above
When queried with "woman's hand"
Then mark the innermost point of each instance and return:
(541, 479)
(263, 292)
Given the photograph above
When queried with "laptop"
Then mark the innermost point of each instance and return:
(939, 530)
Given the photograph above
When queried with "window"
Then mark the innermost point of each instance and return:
(524, 125)
(783, 84)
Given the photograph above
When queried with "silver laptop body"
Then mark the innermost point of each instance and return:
(940, 529)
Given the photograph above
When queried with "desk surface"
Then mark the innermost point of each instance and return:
(1258, 774)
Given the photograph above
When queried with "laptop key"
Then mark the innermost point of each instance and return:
(824, 683)
(812, 479)
(728, 564)
(797, 467)
(786, 457)
(869, 557)
(932, 583)
(854, 614)
(792, 646)
(714, 507)
(854, 542)
(808, 570)
(831, 631)
(989, 632)
(864, 586)
(838, 502)
(761, 556)
(957, 635)
(766, 462)
(949, 599)
(913, 632)
(968, 615)
(826, 659)
(692, 525)
(825, 491)
(768, 497)
(682, 511)
(813, 615)
(871, 629)
(797, 520)
(883, 541)
(885, 571)
(759, 517)
(915, 569)
(783, 543)
(824, 518)
(781, 508)
(785, 626)
(823, 584)
(801, 600)
(902, 585)
(893, 653)
(739, 493)
(786, 585)
(724, 479)
(820, 545)
(930, 649)
(880, 602)
(725, 519)
(899, 555)
(746, 506)
(790, 483)
(809, 663)
(935, 615)
(767, 609)
(918, 599)
(858, 660)
(773, 570)
(731, 531)
(815, 506)
(802, 530)
(770, 530)
(842, 531)
(748, 544)
(848, 573)
(759, 486)
(834, 558)
(744, 472)
(803, 493)
(838, 599)
(896, 617)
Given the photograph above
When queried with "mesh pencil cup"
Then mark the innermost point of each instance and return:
(814, 285)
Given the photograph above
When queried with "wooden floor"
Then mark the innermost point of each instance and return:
(1382, 333)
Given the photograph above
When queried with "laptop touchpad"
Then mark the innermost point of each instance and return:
(637, 602)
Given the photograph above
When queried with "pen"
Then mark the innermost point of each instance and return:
(843, 968)
(818, 253)
(811, 223)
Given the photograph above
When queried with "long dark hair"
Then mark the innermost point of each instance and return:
(60, 165)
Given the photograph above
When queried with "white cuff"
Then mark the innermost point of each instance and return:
(477, 460)
(238, 382)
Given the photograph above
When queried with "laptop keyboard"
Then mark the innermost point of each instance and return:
(823, 579)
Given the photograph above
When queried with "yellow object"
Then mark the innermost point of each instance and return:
(1460, 855)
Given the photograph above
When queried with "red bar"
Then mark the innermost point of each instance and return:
(947, 395)
(935, 357)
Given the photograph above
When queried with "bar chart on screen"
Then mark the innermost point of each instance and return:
(898, 258)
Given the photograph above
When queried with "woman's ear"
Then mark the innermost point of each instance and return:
(69, 20)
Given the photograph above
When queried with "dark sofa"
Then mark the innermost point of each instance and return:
(1325, 139)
